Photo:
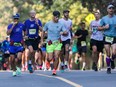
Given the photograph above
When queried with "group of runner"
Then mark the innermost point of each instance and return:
(33, 46)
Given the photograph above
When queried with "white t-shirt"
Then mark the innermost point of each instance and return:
(68, 25)
(96, 35)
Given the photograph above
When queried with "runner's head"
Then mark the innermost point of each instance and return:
(32, 14)
(16, 17)
(56, 15)
(66, 14)
(82, 24)
(110, 9)
(7, 38)
(97, 15)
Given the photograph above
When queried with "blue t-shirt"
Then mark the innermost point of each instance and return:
(17, 32)
(112, 25)
(5, 45)
(53, 30)
(32, 28)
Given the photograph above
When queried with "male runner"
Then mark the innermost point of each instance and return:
(108, 25)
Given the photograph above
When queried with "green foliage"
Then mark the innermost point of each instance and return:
(79, 9)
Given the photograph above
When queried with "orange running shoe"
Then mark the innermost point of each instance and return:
(47, 65)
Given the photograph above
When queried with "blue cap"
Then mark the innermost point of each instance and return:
(16, 16)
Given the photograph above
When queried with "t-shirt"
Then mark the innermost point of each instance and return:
(96, 34)
(67, 25)
(32, 28)
(17, 32)
(5, 45)
(53, 30)
(111, 31)
(84, 34)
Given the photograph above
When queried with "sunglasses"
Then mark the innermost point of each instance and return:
(56, 16)
(16, 18)
(111, 8)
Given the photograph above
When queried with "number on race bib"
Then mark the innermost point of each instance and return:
(83, 43)
(32, 31)
(109, 39)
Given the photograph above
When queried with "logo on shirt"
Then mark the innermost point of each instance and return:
(32, 25)
(17, 29)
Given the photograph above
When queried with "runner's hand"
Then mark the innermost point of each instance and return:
(79, 36)
(14, 23)
(106, 26)
(25, 37)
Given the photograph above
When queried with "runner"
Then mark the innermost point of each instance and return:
(54, 30)
(15, 30)
(65, 40)
(32, 25)
(96, 43)
(108, 25)
(81, 34)
(6, 54)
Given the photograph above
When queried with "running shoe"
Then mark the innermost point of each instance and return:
(47, 65)
(66, 68)
(30, 68)
(18, 71)
(112, 64)
(62, 68)
(40, 67)
(108, 70)
(14, 73)
(54, 72)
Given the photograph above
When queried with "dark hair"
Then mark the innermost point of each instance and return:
(66, 11)
(56, 13)
(82, 23)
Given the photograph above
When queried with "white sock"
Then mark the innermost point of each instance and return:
(62, 64)
(30, 62)
(66, 63)
(84, 64)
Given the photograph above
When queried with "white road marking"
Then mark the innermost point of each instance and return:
(62, 79)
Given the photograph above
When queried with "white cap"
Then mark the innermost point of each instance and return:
(109, 6)
(32, 11)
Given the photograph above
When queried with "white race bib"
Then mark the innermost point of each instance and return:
(109, 39)
(94, 30)
(32, 31)
(83, 43)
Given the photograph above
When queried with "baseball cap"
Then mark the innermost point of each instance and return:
(109, 6)
(16, 16)
(56, 13)
(66, 11)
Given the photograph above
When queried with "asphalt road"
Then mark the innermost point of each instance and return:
(74, 78)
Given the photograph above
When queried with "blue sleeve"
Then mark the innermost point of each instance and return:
(40, 23)
(24, 27)
(102, 22)
(9, 26)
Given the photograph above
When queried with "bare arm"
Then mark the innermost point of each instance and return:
(103, 27)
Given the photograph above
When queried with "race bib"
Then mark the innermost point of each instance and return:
(109, 39)
(94, 30)
(83, 43)
(32, 31)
